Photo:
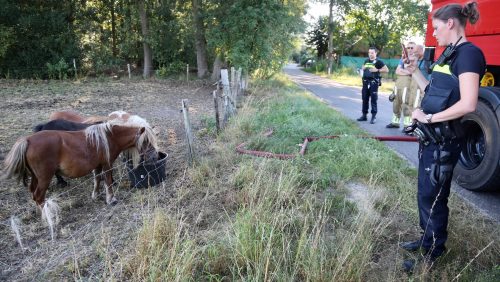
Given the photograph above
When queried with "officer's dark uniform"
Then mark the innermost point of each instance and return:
(438, 158)
(371, 82)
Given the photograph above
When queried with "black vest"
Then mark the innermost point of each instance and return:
(443, 92)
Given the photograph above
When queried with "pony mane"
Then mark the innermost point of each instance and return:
(97, 135)
(148, 138)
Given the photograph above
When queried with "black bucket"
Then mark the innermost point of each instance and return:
(147, 174)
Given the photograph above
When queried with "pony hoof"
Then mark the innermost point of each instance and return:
(113, 202)
(62, 184)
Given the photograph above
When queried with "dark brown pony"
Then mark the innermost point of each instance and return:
(71, 154)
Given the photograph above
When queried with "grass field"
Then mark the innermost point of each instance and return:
(336, 214)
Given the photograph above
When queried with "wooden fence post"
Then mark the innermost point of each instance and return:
(74, 66)
(187, 72)
(129, 73)
(216, 104)
(189, 135)
(226, 88)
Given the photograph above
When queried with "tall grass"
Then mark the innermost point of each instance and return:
(336, 214)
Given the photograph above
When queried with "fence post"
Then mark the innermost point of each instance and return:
(187, 72)
(189, 135)
(74, 66)
(216, 104)
(238, 85)
(129, 73)
(226, 89)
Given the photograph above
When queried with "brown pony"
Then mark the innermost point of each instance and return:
(72, 154)
(76, 117)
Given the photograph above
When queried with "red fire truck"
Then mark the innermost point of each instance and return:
(479, 165)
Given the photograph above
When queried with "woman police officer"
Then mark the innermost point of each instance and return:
(451, 93)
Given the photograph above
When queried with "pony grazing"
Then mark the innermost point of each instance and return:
(149, 153)
(71, 154)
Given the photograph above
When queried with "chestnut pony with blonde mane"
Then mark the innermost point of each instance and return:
(72, 154)
(150, 153)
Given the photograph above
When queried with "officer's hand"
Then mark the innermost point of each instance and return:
(418, 115)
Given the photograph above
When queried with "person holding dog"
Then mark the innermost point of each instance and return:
(400, 96)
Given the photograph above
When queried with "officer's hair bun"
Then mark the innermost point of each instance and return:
(470, 11)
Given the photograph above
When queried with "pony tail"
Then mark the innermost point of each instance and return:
(15, 162)
(50, 214)
(471, 12)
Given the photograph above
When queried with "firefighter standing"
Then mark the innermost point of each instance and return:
(414, 94)
(402, 89)
(372, 68)
(452, 92)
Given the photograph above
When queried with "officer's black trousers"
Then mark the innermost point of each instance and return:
(433, 200)
(369, 91)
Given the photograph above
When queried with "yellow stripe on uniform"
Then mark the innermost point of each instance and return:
(442, 69)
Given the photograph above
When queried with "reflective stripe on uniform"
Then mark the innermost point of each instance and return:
(417, 99)
(395, 119)
(442, 69)
(407, 121)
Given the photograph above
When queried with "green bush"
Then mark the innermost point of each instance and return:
(172, 68)
(58, 70)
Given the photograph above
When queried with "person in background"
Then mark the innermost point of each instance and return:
(452, 92)
(402, 88)
(371, 68)
(414, 94)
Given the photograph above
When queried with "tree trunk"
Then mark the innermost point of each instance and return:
(113, 28)
(216, 69)
(330, 37)
(201, 53)
(145, 36)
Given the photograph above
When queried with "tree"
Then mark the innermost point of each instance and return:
(318, 37)
(384, 23)
(200, 42)
(256, 35)
(337, 9)
(148, 60)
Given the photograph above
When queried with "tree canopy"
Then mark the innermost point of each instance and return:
(106, 35)
(380, 23)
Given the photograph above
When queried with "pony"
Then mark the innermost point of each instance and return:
(66, 125)
(76, 117)
(72, 154)
(62, 124)
(123, 118)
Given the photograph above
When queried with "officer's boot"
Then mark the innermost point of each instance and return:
(362, 118)
(373, 120)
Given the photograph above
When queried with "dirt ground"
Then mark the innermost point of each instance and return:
(91, 235)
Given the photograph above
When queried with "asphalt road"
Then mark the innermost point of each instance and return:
(347, 100)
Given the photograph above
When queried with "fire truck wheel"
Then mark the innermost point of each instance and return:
(478, 168)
